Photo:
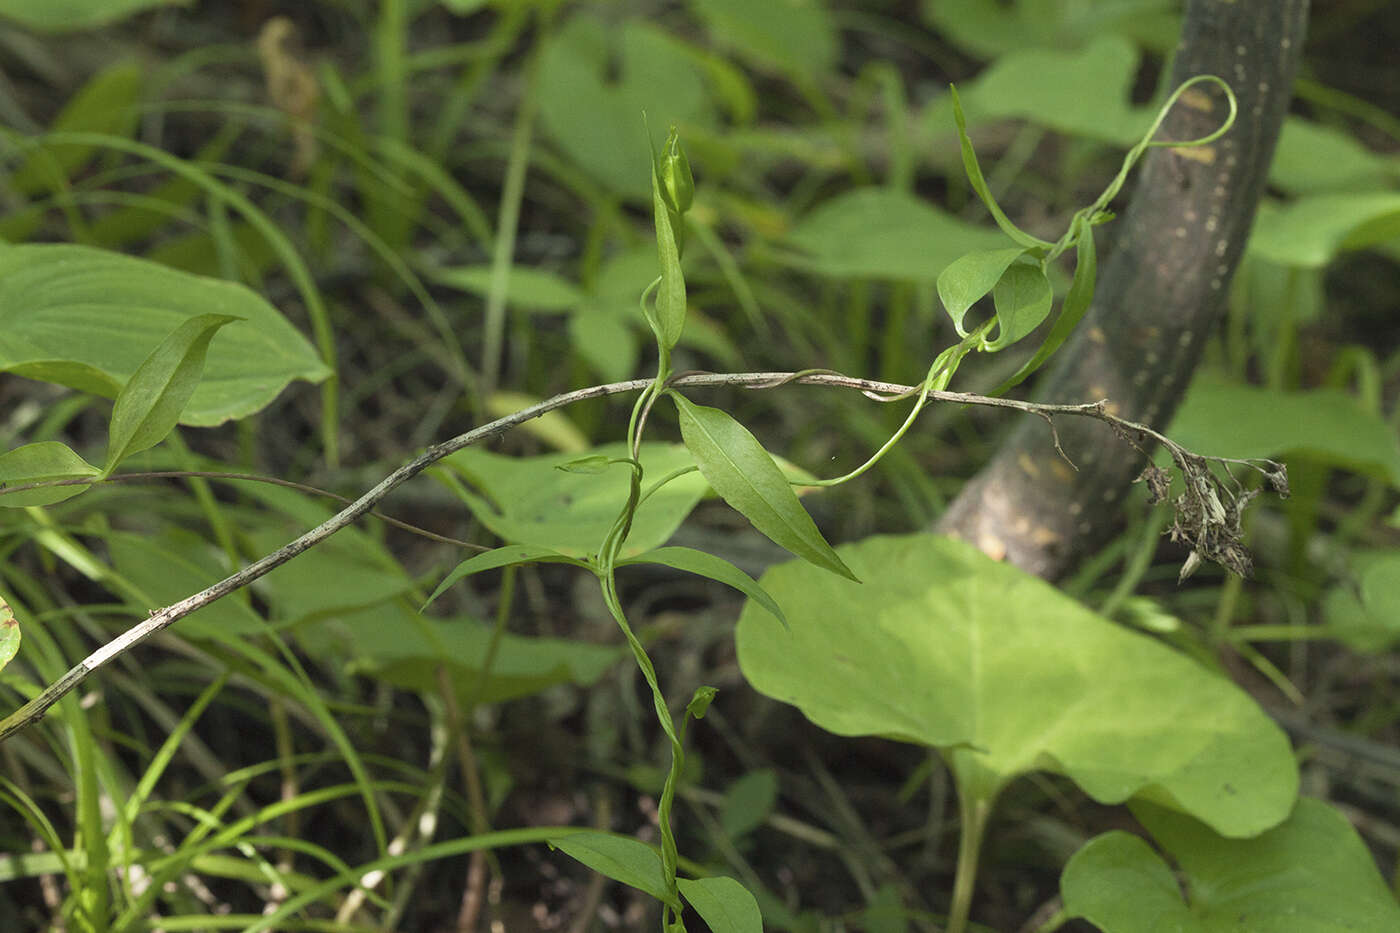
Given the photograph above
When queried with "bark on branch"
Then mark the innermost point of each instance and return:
(1159, 296)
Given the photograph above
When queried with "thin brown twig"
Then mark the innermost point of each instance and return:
(161, 619)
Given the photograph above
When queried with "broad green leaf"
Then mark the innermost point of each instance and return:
(605, 342)
(9, 634)
(528, 289)
(87, 318)
(598, 78)
(943, 646)
(709, 565)
(1228, 420)
(1311, 231)
(967, 279)
(394, 643)
(1311, 874)
(991, 28)
(746, 477)
(526, 501)
(34, 463)
(1084, 92)
(345, 572)
(106, 104)
(748, 802)
(1076, 303)
(1022, 299)
(669, 309)
(620, 858)
(795, 37)
(1367, 616)
(508, 556)
(723, 903)
(1312, 158)
(73, 15)
(979, 183)
(883, 233)
(148, 407)
(169, 566)
(362, 568)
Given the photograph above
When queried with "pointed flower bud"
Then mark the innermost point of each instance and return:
(677, 184)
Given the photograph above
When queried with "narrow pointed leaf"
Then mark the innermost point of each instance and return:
(507, 556)
(967, 279)
(1077, 301)
(620, 858)
(704, 564)
(35, 463)
(741, 471)
(723, 903)
(1023, 298)
(979, 183)
(149, 405)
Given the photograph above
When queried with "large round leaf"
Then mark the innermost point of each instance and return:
(943, 646)
(87, 318)
(1312, 874)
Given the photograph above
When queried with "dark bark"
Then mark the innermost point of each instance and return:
(1159, 295)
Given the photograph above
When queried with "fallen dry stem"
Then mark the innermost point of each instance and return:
(1192, 465)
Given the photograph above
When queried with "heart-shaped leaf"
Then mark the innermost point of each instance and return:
(971, 276)
(1311, 874)
(1022, 299)
(943, 646)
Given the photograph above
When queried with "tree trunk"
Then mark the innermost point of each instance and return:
(1159, 295)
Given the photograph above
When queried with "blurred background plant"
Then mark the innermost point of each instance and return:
(450, 200)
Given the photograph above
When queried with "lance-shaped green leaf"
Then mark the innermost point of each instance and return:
(1311, 874)
(9, 634)
(37, 463)
(705, 564)
(508, 556)
(669, 310)
(741, 471)
(1022, 298)
(149, 405)
(620, 858)
(968, 278)
(1076, 303)
(979, 183)
(723, 903)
